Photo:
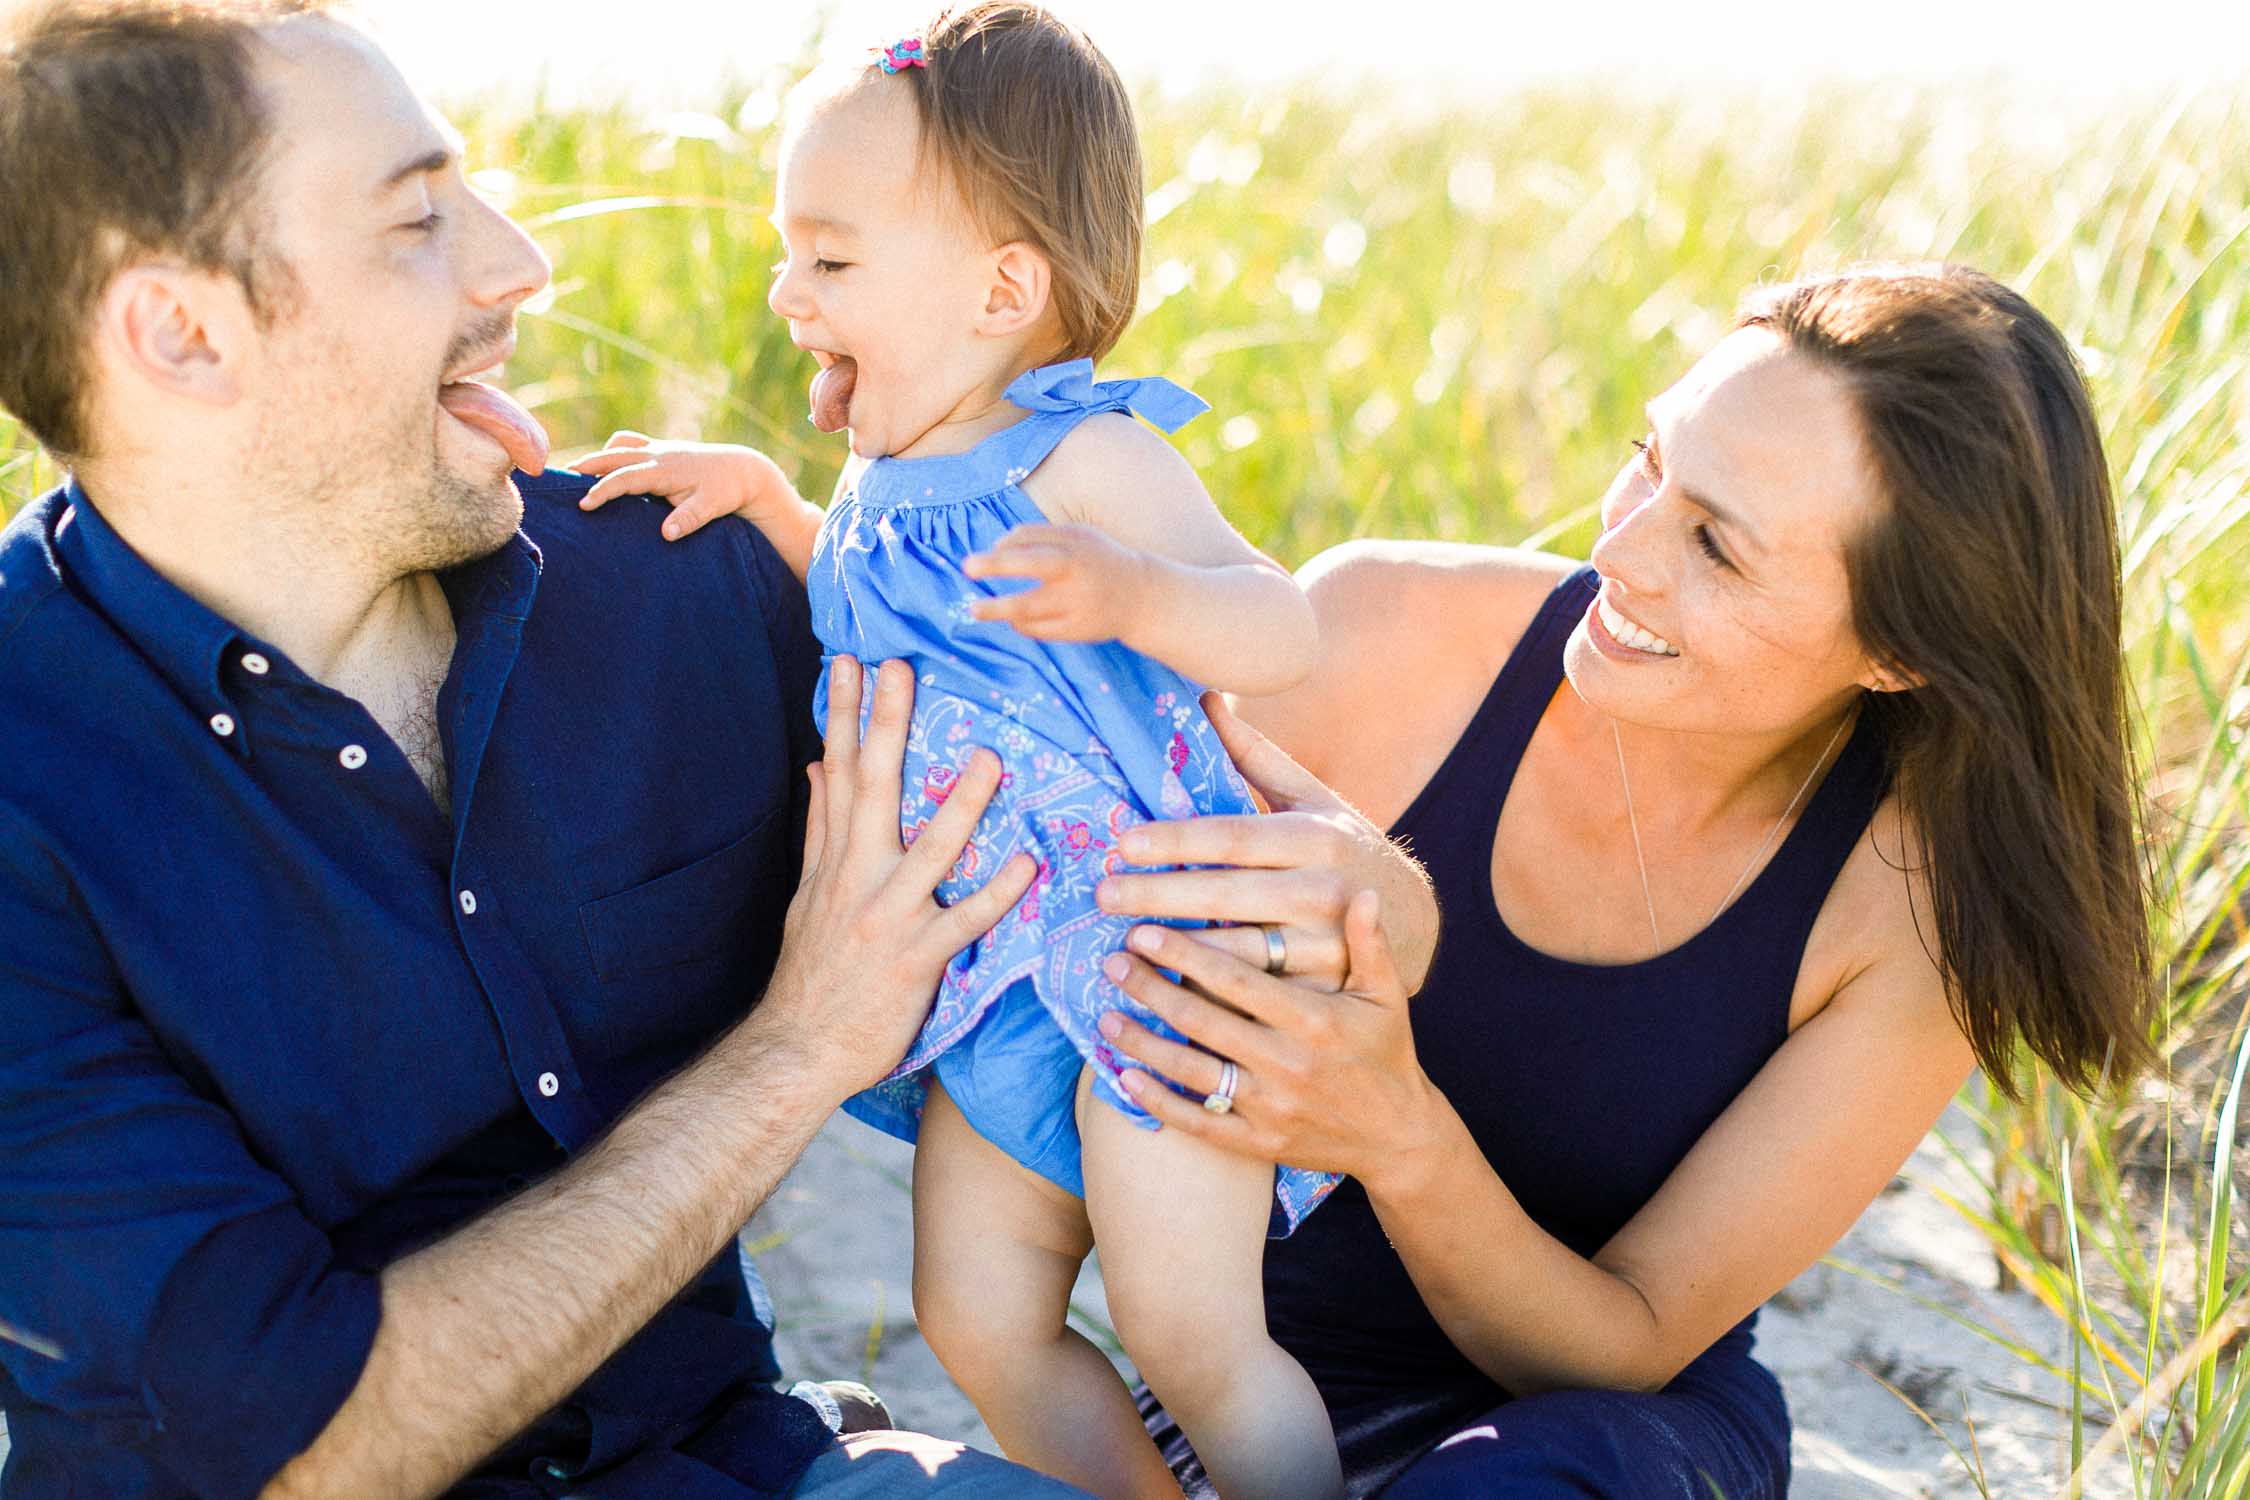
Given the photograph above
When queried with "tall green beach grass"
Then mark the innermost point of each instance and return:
(1444, 323)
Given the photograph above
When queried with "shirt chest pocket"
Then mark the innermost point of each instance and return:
(703, 934)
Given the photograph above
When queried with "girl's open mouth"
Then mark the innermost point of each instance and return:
(832, 393)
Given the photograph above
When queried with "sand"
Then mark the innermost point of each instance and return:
(833, 1245)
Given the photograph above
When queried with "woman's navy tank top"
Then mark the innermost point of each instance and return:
(1583, 1084)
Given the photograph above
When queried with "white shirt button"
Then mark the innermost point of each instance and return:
(353, 757)
(255, 665)
(549, 1085)
(222, 725)
(468, 903)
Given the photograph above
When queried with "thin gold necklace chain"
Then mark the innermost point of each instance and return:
(1633, 821)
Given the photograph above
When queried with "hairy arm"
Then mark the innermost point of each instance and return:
(501, 1320)
(489, 1327)
(1179, 583)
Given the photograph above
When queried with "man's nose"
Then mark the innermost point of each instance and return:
(512, 268)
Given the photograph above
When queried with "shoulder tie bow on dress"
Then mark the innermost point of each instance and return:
(1071, 386)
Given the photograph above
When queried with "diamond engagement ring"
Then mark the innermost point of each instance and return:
(1277, 951)
(1221, 1099)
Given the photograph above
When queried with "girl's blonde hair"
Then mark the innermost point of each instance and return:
(1034, 129)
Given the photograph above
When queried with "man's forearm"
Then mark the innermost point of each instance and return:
(496, 1323)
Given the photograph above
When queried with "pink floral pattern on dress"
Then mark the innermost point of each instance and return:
(1093, 739)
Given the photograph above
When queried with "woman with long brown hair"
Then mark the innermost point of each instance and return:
(1751, 837)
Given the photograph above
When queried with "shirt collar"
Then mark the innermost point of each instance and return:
(184, 641)
(501, 582)
(189, 644)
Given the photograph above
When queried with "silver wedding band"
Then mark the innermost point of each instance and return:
(1221, 1099)
(1277, 951)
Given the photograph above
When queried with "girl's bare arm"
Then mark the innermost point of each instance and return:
(1140, 554)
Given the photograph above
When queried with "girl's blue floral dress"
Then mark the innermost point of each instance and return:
(1092, 739)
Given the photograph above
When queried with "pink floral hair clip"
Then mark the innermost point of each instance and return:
(905, 54)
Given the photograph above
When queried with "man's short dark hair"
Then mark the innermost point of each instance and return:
(129, 129)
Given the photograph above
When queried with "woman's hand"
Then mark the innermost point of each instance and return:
(1326, 1080)
(1293, 870)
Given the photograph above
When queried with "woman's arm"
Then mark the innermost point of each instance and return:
(1329, 1081)
(1143, 556)
(1775, 1181)
(1449, 612)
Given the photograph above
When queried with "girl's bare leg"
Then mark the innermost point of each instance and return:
(1182, 1228)
(996, 1250)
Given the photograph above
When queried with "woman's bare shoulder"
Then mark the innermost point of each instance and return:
(1411, 636)
(1875, 940)
(1372, 593)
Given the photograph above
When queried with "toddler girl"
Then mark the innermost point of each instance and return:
(962, 220)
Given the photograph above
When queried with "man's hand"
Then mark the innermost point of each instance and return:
(865, 942)
(1089, 588)
(703, 481)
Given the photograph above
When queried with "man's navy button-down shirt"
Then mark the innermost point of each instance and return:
(269, 1020)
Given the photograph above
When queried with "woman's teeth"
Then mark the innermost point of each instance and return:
(1629, 634)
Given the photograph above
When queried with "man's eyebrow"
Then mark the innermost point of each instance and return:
(1732, 520)
(433, 159)
(436, 160)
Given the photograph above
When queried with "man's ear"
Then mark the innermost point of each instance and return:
(182, 331)
(1017, 296)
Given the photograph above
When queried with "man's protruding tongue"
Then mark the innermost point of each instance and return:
(496, 414)
(832, 394)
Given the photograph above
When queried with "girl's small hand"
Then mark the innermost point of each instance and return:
(704, 481)
(1088, 588)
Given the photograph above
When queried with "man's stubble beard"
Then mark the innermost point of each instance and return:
(375, 484)
(457, 519)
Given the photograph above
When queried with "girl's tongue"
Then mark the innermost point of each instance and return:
(832, 394)
(495, 414)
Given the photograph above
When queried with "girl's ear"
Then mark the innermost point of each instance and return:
(1018, 295)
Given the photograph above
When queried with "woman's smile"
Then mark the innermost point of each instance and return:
(1623, 639)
